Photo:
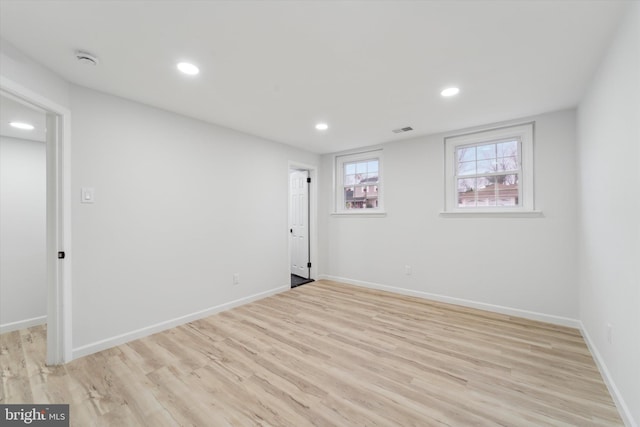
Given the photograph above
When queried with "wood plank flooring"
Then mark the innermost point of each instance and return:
(325, 354)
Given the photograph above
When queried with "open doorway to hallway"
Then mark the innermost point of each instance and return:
(48, 147)
(23, 215)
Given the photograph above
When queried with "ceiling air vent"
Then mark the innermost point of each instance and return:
(404, 129)
(86, 58)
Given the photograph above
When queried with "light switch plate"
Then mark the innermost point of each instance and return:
(87, 195)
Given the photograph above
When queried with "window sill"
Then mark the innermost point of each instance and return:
(495, 214)
(377, 214)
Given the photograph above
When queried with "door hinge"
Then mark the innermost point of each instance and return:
(61, 255)
(308, 265)
(309, 180)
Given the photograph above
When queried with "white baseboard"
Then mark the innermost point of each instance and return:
(623, 409)
(22, 324)
(97, 346)
(542, 317)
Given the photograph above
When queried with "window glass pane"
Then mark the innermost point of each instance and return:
(466, 184)
(506, 201)
(486, 191)
(486, 198)
(361, 197)
(486, 166)
(466, 193)
(348, 193)
(483, 182)
(349, 202)
(487, 151)
(466, 154)
(500, 190)
(466, 168)
(507, 190)
(372, 177)
(511, 179)
(507, 164)
(508, 149)
(359, 177)
(371, 202)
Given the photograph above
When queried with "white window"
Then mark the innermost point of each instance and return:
(490, 171)
(359, 182)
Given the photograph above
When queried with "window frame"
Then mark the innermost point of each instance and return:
(524, 133)
(339, 201)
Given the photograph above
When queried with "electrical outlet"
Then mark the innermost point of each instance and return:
(236, 278)
(407, 270)
(609, 333)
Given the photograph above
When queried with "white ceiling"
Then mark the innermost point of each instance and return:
(13, 111)
(275, 68)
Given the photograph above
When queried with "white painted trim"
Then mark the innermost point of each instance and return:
(525, 132)
(623, 409)
(313, 214)
(22, 324)
(59, 326)
(532, 315)
(376, 214)
(489, 214)
(168, 324)
(339, 160)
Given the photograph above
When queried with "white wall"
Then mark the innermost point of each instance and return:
(181, 205)
(21, 69)
(23, 292)
(609, 164)
(455, 258)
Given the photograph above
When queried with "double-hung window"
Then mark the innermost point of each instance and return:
(490, 171)
(359, 182)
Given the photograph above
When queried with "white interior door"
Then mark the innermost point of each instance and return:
(299, 225)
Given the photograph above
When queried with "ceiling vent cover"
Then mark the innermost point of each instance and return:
(404, 129)
(86, 58)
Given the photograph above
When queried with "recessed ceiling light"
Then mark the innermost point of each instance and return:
(450, 91)
(188, 68)
(322, 126)
(21, 125)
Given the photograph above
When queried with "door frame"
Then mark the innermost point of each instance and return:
(58, 149)
(313, 217)
(300, 266)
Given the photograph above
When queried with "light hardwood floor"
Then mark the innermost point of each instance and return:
(325, 354)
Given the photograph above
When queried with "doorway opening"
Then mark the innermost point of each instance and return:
(23, 216)
(301, 224)
(55, 123)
